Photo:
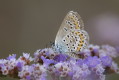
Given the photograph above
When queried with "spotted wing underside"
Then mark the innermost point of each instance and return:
(71, 36)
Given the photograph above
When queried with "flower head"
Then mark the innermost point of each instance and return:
(60, 57)
(47, 62)
(92, 61)
(106, 60)
(12, 57)
(19, 66)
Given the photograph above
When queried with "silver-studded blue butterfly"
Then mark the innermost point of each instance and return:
(71, 36)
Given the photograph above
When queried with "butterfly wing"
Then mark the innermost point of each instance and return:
(71, 37)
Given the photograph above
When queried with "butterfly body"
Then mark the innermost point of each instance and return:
(71, 36)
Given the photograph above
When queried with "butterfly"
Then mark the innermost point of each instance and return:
(71, 36)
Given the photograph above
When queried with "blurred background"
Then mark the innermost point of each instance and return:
(28, 25)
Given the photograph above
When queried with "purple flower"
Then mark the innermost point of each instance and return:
(80, 62)
(47, 53)
(19, 66)
(106, 61)
(70, 74)
(47, 62)
(96, 50)
(43, 78)
(87, 67)
(110, 51)
(28, 77)
(26, 55)
(60, 57)
(92, 61)
(57, 72)
(11, 57)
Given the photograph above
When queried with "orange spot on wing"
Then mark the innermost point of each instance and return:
(75, 22)
(78, 48)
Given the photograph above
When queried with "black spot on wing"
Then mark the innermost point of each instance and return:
(68, 36)
(65, 29)
(64, 40)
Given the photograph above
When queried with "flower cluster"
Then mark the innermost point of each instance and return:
(92, 63)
